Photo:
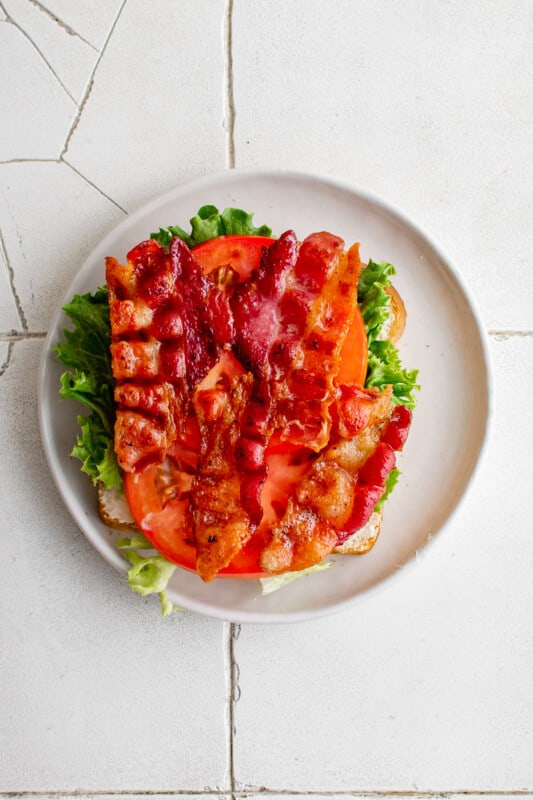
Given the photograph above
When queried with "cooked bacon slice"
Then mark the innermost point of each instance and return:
(220, 523)
(256, 306)
(292, 316)
(251, 366)
(338, 494)
(305, 395)
(204, 310)
(256, 311)
(168, 324)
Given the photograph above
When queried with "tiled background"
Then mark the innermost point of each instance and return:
(422, 688)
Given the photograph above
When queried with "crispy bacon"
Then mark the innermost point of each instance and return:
(304, 398)
(220, 523)
(168, 325)
(174, 330)
(255, 306)
(338, 494)
(204, 310)
(291, 318)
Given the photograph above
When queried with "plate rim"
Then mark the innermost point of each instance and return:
(367, 196)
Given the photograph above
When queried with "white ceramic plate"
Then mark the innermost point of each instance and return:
(443, 339)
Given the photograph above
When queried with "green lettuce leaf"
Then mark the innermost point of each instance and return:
(385, 367)
(392, 479)
(89, 380)
(94, 448)
(209, 223)
(373, 300)
(269, 585)
(384, 364)
(148, 574)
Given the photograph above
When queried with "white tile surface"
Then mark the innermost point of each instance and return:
(423, 103)
(51, 219)
(35, 110)
(426, 684)
(138, 139)
(97, 691)
(68, 56)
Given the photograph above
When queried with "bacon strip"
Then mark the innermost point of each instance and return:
(255, 307)
(168, 324)
(287, 324)
(292, 317)
(220, 523)
(306, 394)
(204, 309)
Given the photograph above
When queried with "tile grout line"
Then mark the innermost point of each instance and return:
(63, 25)
(21, 336)
(11, 274)
(508, 334)
(90, 83)
(30, 161)
(263, 792)
(11, 21)
(228, 709)
(70, 166)
(384, 793)
(229, 101)
(233, 694)
(5, 364)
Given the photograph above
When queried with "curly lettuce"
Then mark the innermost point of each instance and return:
(148, 574)
(384, 364)
(89, 380)
(209, 224)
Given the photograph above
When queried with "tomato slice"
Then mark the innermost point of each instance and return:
(354, 353)
(158, 496)
(158, 499)
(242, 253)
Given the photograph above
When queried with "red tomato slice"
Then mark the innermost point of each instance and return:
(158, 496)
(243, 253)
(158, 500)
(354, 353)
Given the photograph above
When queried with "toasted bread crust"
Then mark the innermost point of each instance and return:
(364, 539)
(114, 510)
(396, 323)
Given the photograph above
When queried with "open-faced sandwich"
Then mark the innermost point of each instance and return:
(247, 399)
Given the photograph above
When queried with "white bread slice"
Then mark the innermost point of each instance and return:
(114, 510)
(364, 539)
